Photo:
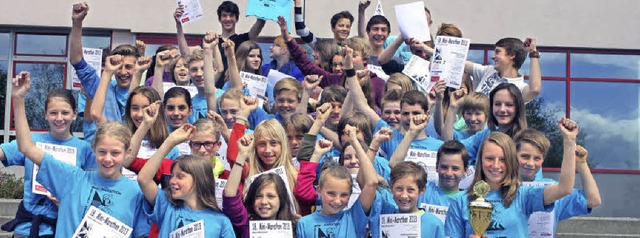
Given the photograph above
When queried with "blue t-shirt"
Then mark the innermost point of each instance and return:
(199, 106)
(170, 218)
(88, 127)
(77, 190)
(116, 99)
(430, 225)
(435, 196)
(574, 204)
(35, 203)
(388, 147)
(505, 222)
(350, 223)
(289, 69)
(260, 115)
(473, 144)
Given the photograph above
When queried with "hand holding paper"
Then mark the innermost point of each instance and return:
(412, 21)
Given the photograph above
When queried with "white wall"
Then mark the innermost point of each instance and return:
(575, 23)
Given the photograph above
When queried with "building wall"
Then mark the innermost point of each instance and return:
(572, 23)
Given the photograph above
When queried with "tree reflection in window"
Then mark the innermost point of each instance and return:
(45, 77)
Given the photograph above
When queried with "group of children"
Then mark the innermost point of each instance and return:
(207, 155)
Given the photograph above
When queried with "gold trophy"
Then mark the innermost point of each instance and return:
(479, 209)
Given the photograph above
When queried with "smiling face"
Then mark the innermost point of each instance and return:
(391, 114)
(138, 103)
(335, 195)
(450, 171)
(530, 159)
(181, 184)
(334, 116)
(196, 73)
(60, 115)
(494, 165)
(406, 193)
(124, 74)
(286, 103)
(204, 144)
(342, 29)
(267, 203)
(378, 34)
(228, 21)
(268, 151)
(502, 59)
(228, 110)
(350, 160)
(504, 108)
(181, 72)
(475, 120)
(254, 60)
(110, 154)
(177, 111)
(337, 65)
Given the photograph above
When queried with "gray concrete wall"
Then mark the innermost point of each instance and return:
(576, 23)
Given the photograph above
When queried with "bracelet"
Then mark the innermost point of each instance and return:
(239, 164)
(242, 118)
(350, 72)
(534, 54)
(371, 148)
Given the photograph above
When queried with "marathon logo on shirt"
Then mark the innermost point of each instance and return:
(491, 82)
(102, 198)
(328, 230)
(182, 221)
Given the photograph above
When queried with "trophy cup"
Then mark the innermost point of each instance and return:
(479, 209)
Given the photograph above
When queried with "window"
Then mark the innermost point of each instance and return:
(476, 56)
(605, 66)
(41, 44)
(552, 64)
(5, 45)
(45, 77)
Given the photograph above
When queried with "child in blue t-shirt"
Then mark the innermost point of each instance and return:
(205, 68)
(532, 148)
(512, 203)
(77, 190)
(408, 183)
(190, 198)
(335, 189)
(60, 113)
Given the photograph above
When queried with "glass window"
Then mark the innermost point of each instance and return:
(45, 77)
(4, 70)
(542, 115)
(552, 64)
(33, 44)
(609, 126)
(96, 42)
(4, 45)
(605, 66)
(476, 56)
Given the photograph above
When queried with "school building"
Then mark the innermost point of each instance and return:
(589, 57)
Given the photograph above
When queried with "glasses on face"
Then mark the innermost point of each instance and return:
(195, 145)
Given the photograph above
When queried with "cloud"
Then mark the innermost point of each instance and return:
(603, 128)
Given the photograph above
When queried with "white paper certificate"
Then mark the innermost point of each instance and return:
(192, 230)
(425, 159)
(97, 223)
(280, 171)
(439, 211)
(541, 223)
(449, 58)
(377, 69)
(257, 84)
(220, 184)
(274, 76)
(66, 154)
(192, 11)
(412, 21)
(270, 228)
(417, 69)
(400, 225)
(93, 57)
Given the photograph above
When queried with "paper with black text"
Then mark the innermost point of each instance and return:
(377, 69)
(439, 211)
(97, 223)
(93, 57)
(417, 69)
(270, 228)
(192, 11)
(66, 154)
(220, 184)
(448, 60)
(400, 225)
(412, 21)
(191, 230)
(425, 159)
(257, 85)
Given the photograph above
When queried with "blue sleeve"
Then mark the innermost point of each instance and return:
(58, 177)
(142, 225)
(473, 144)
(360, 219)
(227, 229)
(89, 159)
(381, 165)
(439, 230)
(300, 228)
(389, 146)
(173, 154)
(11, 154)
(258, 116)
(533, 199)
(296, 73)
(573, 205)
(156, 213)
(454, 224)
(88, 77)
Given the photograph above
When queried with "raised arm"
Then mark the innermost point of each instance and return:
(182, 40)
(145, 177)
(163, 60)
(111, 65)
(301, 29)
(142, 64)
(78, 14)
(455, 98)
(381, 136)
(535, 76)
(224, 130)
(367, 171)
(256, 29)
(141, 47)
(438, 114)
(589, 184)
(353, 84)
(245, 147)
(362, 6)
(232, 67)
(21, 84)
(416, 127)
(310, 82)
(387, 54)
(210, 46)
(149, 117)
(569, 130)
